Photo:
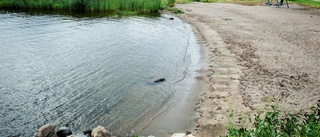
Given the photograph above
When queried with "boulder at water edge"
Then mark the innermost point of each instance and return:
(64, 131)
(99, 131)
(46, 131)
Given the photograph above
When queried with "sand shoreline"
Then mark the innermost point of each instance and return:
(177, 114)
(246, 66)
(258, 56)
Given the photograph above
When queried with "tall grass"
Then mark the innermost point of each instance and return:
(88, 5)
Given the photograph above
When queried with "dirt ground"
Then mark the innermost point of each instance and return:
(258, 56)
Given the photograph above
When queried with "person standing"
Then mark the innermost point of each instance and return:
(281, 2)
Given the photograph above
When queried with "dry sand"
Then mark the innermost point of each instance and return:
(258, 56)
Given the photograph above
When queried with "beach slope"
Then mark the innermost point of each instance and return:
(258, 56)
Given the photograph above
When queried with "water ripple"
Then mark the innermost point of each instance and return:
(85, 71)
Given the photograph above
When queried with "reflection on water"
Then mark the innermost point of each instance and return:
(86, 71)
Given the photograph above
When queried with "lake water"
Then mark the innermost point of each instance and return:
(87, 71)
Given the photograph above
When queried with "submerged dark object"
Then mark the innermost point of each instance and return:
(171, 18)
(18, 135)
(87, 132)
(64, 131)
(159, 80)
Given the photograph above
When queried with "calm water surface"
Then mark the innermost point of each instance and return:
(87, 71)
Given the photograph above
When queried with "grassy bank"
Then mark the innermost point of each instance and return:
(311, 3)
(88, 5)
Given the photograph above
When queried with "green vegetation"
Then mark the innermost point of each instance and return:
(135, 135)
(118, 5)
(311, 3)
(277, 124)
(171, 3)
(88, 5)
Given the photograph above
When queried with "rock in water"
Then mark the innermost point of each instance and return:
(64, 131)
(159, 80)
(87, 132)
(46, 131)
(99, 131)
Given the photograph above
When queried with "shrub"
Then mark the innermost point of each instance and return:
(275, 123)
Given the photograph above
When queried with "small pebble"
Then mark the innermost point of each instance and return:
(227, 19)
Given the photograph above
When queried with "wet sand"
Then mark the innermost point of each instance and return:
(258, 56)
(178, 114)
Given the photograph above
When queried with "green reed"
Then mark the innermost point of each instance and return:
(88, 5)
(276, 123)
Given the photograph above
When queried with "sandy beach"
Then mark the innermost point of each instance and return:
(257, 56)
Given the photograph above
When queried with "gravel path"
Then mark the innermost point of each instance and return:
(259, 56)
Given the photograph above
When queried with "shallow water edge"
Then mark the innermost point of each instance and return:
(65, 69)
